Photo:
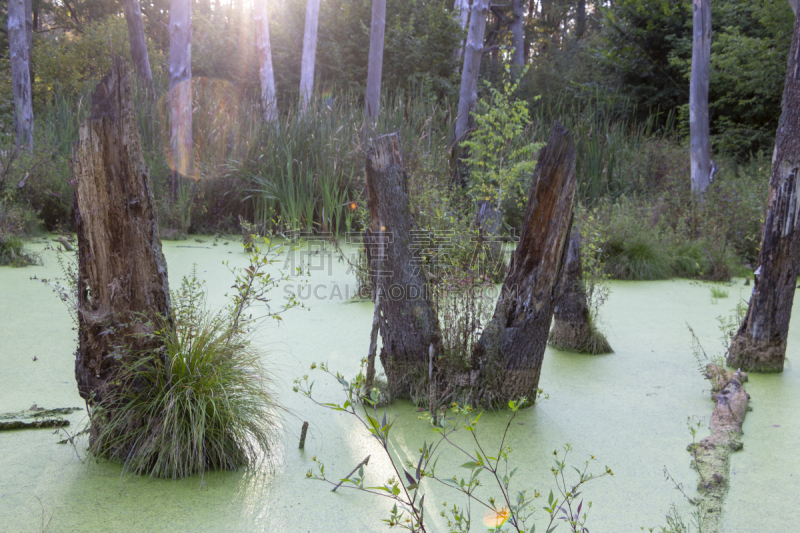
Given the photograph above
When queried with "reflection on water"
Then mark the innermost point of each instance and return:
(629, 409)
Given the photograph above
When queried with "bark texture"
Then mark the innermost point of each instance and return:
(180, 85)
(265, 71)
(122, 278)
(309, 53)
(408, 321)
(698, 98)
(468, 95)
(141, 60)
(760, 343)
(20, 73)
(711, 456)
(510, 352)
(580, 19)
(572, 329)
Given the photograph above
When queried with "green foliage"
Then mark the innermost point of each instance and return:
(500, 150)
(12, 251)
(511, 509)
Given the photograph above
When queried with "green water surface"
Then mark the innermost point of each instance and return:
(629, 409)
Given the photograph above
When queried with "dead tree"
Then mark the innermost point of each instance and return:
(309, 53)
(20, 73)
(509, 354)
(122, 281)
(141, 60)
(265, 71)
(572, 328)
(375, 65)
(760, 343)
(408, 322)
(468, 95)
(698, 98)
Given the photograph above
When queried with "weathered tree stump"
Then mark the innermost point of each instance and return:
(408, 322)
(760, 343)
(122, 280)
(510, 352)
(711, 456)
(572, 328)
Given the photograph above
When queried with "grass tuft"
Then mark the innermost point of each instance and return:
(202, 403)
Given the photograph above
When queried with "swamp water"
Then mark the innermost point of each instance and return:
(629, 409)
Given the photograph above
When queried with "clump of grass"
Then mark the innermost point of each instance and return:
(202, 402)
(636, 257)
(718, 293)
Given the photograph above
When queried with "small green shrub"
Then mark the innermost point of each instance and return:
(12, 252)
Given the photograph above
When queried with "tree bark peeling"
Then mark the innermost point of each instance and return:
(122, 277)
(760, 343)
(510, 352)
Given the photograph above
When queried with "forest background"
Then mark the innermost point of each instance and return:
(616, 73)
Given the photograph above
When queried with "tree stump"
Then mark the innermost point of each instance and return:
(510, 352)
(408, 321)
(760, 343)
(122, 278)
(489, 224)
(572, 328)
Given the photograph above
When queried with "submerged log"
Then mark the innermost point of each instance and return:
(408, 321)
(122, 278)
(712, 454)
(38, 424)
(509, 354)
(572, 328)
(760, 343)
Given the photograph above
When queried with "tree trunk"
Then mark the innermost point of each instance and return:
(29, 38)
(408, 322)
(473, 51)
(141, 61)
(266, 74)
(698, 98)
(580, 19)
(309, 53)
(572, 329)
(760, 344)
(122, 281)
(180, 85)
(489, 223)
(20, 73)
(509, 353)
(793, 5)
(375, 66)
(518, 35)
(461, 8)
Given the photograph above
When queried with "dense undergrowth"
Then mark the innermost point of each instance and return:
(305, 172)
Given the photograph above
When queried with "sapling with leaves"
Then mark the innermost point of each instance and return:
(499, 153)
(512, 510)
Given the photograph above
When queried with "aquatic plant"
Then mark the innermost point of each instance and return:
(512, 508)
(12, 252)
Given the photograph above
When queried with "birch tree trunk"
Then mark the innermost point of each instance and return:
(461, 8)
(309, 53)
(122, 281)
(760, 343)
(141, 60)
(265, 72)
(473, 52)
(408, 321)
(180, 85)
(20, 73)
(375, 66)
(510, 351)
(518, 35)
(698, 98)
